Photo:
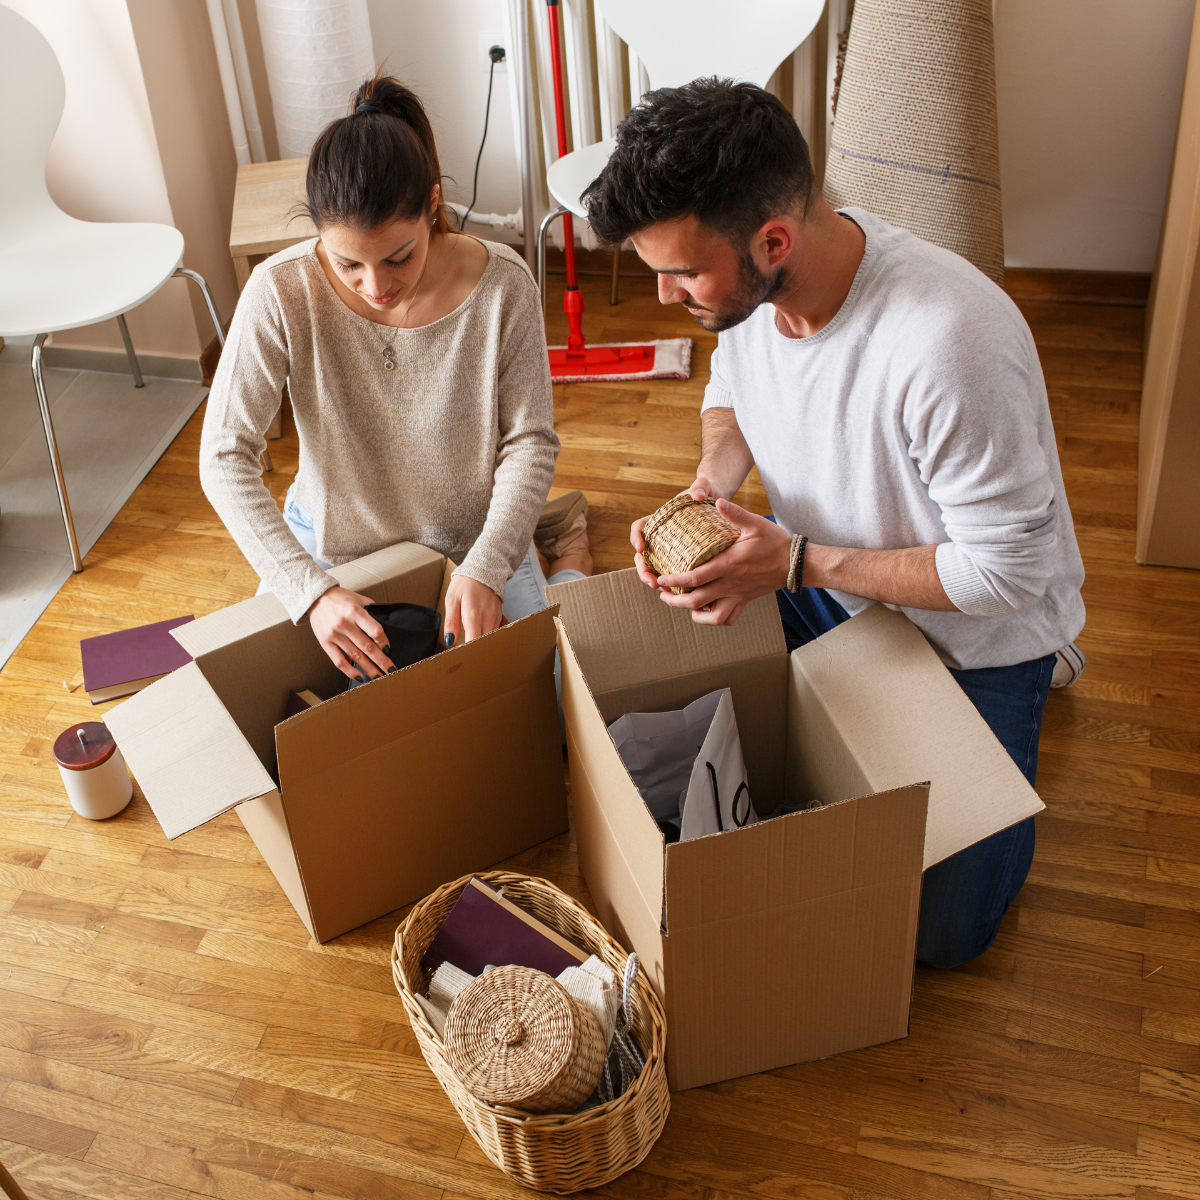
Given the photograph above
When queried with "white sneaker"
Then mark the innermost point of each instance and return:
(1069, 666)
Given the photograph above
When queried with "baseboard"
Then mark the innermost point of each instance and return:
(163, 366)
(1118, 288)
(595, 262)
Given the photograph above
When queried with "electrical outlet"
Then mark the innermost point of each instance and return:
(486, 41)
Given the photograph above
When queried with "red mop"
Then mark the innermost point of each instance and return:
(576, 361)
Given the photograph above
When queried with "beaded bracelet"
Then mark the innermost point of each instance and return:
(796, 568)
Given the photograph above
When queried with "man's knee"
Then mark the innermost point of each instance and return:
(949, 944)
(964, 898)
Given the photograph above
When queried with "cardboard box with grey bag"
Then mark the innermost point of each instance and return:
(795, 938)
(378, 795)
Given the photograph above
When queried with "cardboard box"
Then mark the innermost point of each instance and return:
(792, 939)
(379, 795)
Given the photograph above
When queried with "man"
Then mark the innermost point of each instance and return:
(892, 399)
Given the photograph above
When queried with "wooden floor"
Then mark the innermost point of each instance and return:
(167, 1029)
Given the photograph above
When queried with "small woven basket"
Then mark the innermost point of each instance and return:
(559, 1153)
(683, 534)
(516, 1037)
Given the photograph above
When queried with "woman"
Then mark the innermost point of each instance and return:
(415, 358)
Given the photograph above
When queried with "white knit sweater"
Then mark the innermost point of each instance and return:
(918, 416)
(455, 448)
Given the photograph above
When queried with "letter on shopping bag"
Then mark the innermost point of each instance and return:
(718, 797)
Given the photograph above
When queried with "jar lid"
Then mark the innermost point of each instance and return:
(84, 746)
(515, 1037)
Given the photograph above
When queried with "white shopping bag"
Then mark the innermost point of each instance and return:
(688, 766)
(718, 797)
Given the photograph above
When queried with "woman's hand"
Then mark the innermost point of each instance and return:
(472, 609)
(351, 637)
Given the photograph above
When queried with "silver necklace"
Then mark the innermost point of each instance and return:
(389, 362)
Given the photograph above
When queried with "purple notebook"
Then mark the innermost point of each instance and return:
(484, 928)
(119, 664)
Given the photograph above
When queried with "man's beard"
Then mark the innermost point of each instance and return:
(754, 288)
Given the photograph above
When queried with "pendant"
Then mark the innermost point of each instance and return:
(387, 360)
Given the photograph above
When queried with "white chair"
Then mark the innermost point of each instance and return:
(678, 41)
(57, 272)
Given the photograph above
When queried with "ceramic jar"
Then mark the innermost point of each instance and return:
(92, 770)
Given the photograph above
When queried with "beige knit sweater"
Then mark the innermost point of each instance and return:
(455, 448)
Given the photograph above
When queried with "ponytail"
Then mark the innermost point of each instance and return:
(376, 165)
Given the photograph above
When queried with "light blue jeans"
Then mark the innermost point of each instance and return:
(525, 593)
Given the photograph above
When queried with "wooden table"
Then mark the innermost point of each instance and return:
(264, 222)
(264, 202)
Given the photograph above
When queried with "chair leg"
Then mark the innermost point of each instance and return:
(134, 366)
(60, 483)
(201, 283)
(10, 1186)
(615, 294)
(543, 229)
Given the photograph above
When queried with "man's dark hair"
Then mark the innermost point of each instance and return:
(728, 153)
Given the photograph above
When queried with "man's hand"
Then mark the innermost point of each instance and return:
(702, 489)
(756, 564)
(351, 637)
(472, 609)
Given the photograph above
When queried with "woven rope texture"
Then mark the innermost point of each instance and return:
(914, 140)
(516, 1037)
(683, 534)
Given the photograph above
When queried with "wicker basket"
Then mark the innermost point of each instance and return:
(551, 1153)
(683, 534)
(516, 1037)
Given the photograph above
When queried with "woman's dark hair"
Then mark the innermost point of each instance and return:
(728, 153)
(376, 165)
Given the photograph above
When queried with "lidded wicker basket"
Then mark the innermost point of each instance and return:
(553, 1152)
(683, 534)
(516, 1037)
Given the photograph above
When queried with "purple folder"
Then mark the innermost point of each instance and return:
(485, 928)
(112, 662)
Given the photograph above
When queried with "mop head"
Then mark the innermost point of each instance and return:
(672, 360)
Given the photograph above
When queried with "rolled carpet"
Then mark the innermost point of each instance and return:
(914, 136)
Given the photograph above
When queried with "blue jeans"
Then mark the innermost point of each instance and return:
(964, 897)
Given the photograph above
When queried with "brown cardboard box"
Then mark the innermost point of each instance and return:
(792, 939)
(379, 795)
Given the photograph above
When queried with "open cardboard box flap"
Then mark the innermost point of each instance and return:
(187, 754)
(624, 636)
(902, 717)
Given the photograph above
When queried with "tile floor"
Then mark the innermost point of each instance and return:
(110, 434)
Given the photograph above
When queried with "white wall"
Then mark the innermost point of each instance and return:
(440, 51)
(104, 163)
(1088, 94)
